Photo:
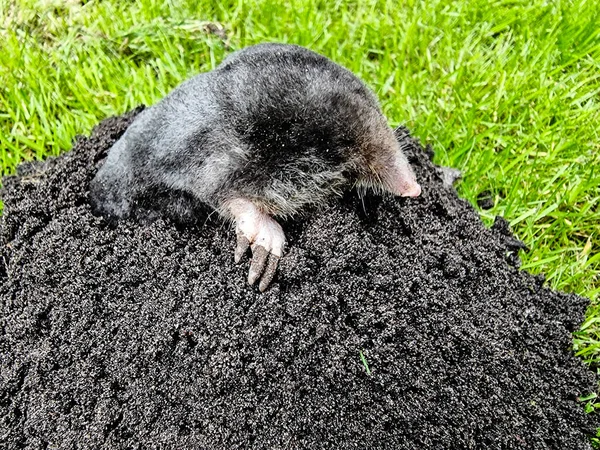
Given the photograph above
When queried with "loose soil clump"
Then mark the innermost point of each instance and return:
(393, 323)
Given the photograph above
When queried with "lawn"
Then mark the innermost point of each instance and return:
(506, 91)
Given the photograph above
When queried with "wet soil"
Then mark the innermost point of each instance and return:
(392, 323)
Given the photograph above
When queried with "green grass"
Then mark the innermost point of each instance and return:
(507, 91)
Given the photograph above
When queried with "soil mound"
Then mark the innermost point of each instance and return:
(393, 323)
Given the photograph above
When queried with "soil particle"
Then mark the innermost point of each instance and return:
(146, 335)
(485, 200)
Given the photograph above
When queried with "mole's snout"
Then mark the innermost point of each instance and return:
(399, 177)
(413, 191)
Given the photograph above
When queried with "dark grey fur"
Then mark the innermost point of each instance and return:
(276, 124)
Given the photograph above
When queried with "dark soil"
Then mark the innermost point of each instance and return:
(147, 336)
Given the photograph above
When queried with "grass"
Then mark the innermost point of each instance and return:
(506, 90)
(363, 359)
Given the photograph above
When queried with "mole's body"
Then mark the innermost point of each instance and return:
(271, 131)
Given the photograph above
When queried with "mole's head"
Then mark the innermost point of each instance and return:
(383, 166)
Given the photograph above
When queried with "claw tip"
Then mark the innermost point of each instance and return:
(252, 278)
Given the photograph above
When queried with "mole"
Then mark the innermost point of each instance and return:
(271, 133)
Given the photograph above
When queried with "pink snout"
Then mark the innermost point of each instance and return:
(413, 191)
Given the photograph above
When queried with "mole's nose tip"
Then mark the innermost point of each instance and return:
(413, 191)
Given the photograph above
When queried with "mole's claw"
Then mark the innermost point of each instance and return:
(257, 266)
(262, 234)
(269, 272)
(242, 246)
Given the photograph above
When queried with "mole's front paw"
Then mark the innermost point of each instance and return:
(266, 239)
